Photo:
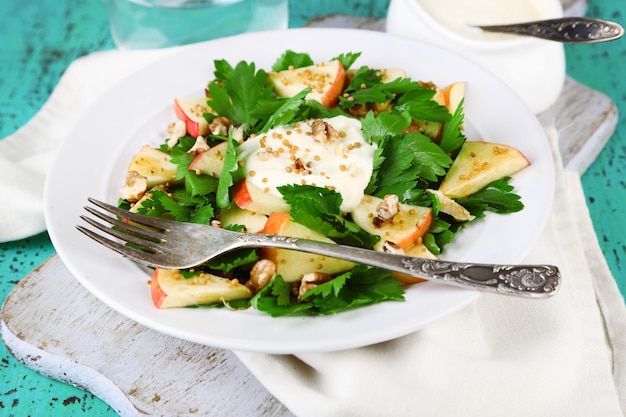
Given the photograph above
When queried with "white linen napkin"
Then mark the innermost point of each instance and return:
(565, 356)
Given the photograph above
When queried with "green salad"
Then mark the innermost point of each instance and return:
(331, 151)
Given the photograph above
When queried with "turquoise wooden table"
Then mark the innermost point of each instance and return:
(38, 40)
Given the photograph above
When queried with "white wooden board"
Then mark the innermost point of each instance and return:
(54, 326)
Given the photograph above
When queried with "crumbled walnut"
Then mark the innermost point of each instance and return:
(177, 130)
(261, 274)
(199, 146)
(391, 247)
(323, 132)
(135, 187)
(387, 210)
(310, 281)
(216, 223)
(238, 134)
(220, 125)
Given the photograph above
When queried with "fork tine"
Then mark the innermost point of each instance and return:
(137, 218)
(123, 235)
(149, 234)
(145, 258)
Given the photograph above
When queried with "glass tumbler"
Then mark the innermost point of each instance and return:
(149, 24)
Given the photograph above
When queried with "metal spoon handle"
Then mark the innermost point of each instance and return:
(565, 30)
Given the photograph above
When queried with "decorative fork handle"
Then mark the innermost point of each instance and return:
(566, 30)
(530, 281)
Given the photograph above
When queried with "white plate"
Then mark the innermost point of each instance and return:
(136, 111)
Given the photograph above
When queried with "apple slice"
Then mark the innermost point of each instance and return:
(293, 265)
(453, 94)
(451, 207)
(430, 128)
(253, 222)
(250, 197)
(153, 164)
(170, 289)
(418, 251)
(211, 161)
(392, 74)
(190, 110)
(404, 229)
(325, 79)
(478, 164)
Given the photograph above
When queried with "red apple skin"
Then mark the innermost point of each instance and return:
(404, 230)
(453, 94)
(170, 290)
(331, 97)
(156, 292)
(248, 196)
(184, 109)
(418, 251)
(241, 195)
(288, 83)
(275, 223)
(292, 265)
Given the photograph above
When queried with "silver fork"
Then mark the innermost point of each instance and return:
(178, 245)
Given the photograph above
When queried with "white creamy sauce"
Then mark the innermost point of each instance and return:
(458, 14)
(291, 155)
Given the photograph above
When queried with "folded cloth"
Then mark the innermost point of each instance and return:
(501, 356)
(565, 356)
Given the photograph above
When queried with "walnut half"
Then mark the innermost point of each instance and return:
(323, 132)
(387, 210)
(261, 274)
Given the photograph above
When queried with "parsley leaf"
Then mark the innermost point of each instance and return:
(495, 197)
(440, 234)
(291, 58)
(347, 59)
(452, 137)
(161, 204)
(238, 92)
(359, 287)
(287, 112)
(319, 209)
(365, 87)
(408, 160)
(277, 299)
(229, 175)
(231, 260)
(200, 184)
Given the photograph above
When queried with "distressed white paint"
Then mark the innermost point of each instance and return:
(53, 325)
